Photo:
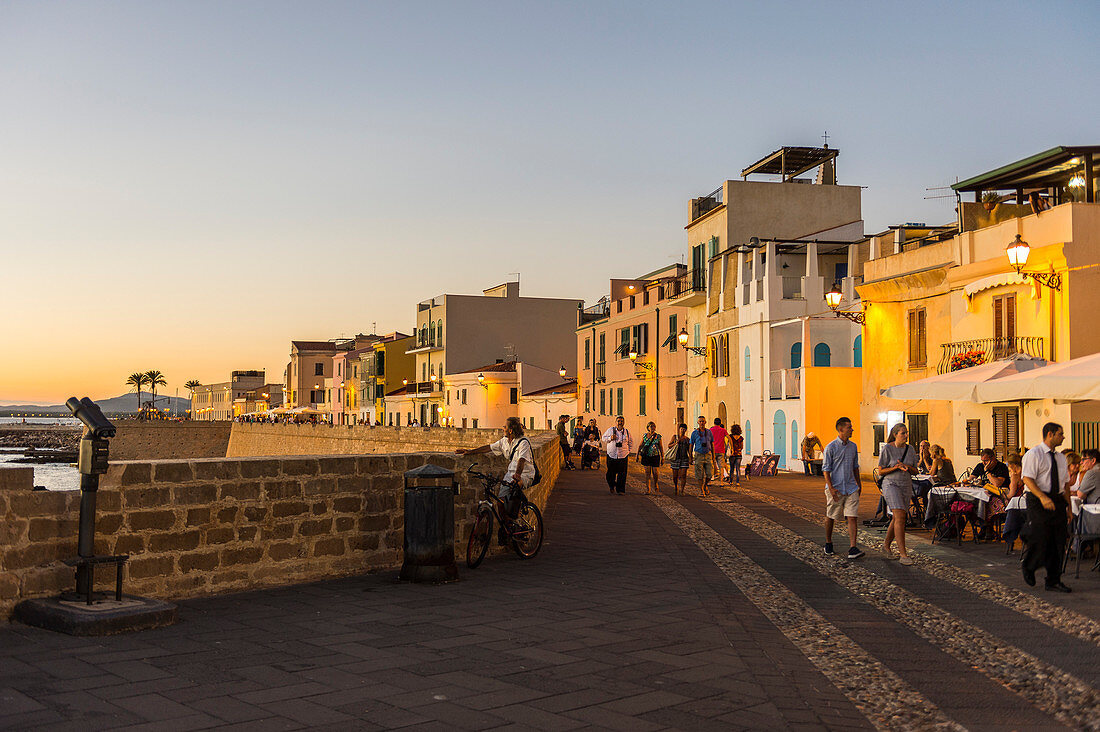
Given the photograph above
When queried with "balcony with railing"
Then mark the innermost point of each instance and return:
(792, 288)
(689, 288)
(599, 311)
(963, 354)
(705, 204)
(600, 372)
(785, 384)
(424, 388)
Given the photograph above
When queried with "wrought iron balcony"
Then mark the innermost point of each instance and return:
(423, 387)
(962, 354)
(692, 281)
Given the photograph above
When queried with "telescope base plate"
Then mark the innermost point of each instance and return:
(105, 616)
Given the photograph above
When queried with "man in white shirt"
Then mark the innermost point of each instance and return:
(1046, 475)
(521, 462)
(619, 445)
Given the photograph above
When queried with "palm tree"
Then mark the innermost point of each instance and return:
(137, 380)
(191, 386)
(155, 379)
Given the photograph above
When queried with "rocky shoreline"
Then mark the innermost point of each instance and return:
(40, 438)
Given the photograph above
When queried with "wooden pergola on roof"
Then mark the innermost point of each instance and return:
(1052, 168)
(791, 162)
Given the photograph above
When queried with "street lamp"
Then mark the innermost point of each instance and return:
(833, 298)
(481, 381)
(682, 339)
(634, 360)
(1018, 251)
(561, 372)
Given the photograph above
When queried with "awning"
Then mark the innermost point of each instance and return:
(1075, 380)
(962, 385)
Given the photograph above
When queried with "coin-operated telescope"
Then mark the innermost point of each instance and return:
(91, 463)
(86, 612)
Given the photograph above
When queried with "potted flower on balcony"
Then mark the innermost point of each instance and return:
(967, 359)
(990, 199)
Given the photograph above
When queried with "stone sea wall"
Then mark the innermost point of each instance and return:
(210, 525)
(309, 439)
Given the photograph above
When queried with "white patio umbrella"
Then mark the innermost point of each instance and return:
(962, 385)
(1075, 380)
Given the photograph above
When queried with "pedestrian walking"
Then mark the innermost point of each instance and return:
(842, 487)
(1046, 475)
(737, 451)
(619, 444)
(897, 464)
(563, 440)
(679, 457)
(721, 469)
(702, 454)
(649, 455)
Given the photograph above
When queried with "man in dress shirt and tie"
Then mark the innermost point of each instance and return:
(1046, 475)
(619, 444)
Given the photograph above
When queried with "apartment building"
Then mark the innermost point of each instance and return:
(764, 348)
(940, 299)
(229, 399)
(457, 333)
(384, 368)
(629, 359)
(309, 374)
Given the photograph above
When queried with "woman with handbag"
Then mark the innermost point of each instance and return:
(679, 457)
(649, 455)
(897, 464)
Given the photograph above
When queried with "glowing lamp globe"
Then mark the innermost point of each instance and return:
(561, 372)
(1017, 252)
(682, 337)
(833, 297)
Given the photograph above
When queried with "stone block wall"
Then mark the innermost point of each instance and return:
(309, 439)
(204, 526)
(169, 440)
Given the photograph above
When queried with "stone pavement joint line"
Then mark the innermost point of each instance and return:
(849, 667)
(1065, 620)
(1056, 692)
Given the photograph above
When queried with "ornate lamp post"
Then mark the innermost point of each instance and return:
(682, 339)
(833, 298)
(1018, 251)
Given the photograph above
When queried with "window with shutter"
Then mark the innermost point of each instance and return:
(1006, 431)
(917, 337)
(973, 437)
(1004, 325)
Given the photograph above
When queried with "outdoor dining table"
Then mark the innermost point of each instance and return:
(958, 492)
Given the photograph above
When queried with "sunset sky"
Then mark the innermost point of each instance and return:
(188, 186)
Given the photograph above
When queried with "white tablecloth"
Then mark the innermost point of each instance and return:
(1018, 502)
(1075, 502)
(965, 493)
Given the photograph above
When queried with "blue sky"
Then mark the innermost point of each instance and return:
(314, 168)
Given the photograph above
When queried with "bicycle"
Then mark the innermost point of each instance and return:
(524, 532)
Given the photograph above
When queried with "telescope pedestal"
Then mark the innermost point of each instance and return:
(105, 616)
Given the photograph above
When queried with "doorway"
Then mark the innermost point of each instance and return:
(779, 437)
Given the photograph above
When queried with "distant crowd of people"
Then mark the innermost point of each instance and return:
(714, 452)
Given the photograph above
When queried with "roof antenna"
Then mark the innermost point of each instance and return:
(826, 138)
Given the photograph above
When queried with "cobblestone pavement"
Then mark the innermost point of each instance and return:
(640, 613)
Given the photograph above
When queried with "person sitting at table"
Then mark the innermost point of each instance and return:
(943, 471)
(924, 458)
(1015, 475)
(1073, 460)
(1014, 518)
(993, 472)
(1088, 489)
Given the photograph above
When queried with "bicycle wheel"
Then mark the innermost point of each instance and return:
(480, 537)
(527, 537)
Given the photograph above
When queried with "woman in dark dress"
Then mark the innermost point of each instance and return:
(681, 459)
(649, 455)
